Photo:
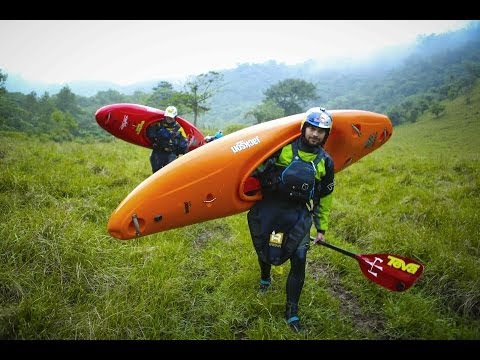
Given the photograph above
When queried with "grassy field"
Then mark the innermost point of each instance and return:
(63, 277)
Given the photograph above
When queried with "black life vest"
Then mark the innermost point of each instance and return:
(297, 180)
(164, 136)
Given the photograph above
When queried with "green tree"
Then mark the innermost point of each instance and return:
(3, 79)
(12, 115)
(265, 111)
(31, 103)
(161, 96)
(46, 105)
(65, 101)
(109, 97)
(436, 108)
(395, 115)
(292, 95)
(413, 115)
(139, 97)
(199, 89)
(64, 126)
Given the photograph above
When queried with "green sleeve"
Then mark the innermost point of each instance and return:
(321, 212)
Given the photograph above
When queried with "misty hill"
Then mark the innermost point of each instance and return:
(396, 73)
(16, 83)
(243, 86)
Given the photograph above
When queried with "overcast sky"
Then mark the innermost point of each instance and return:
(128, 51)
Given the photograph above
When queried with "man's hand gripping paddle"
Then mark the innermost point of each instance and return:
(394, 272)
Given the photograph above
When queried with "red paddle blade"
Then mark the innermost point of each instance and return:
(394, 272)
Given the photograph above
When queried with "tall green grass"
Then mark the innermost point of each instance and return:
(63, 277)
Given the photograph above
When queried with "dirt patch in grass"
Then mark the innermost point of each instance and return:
(349, 305)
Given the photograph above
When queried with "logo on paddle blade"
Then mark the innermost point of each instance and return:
(373, 265)
(397, 263)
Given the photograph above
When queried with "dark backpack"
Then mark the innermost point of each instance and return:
(297, 180)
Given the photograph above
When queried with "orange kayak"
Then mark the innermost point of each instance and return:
(214, 180)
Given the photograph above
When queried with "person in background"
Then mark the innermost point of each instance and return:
(217, 135)
(297, 184)
(168, 138)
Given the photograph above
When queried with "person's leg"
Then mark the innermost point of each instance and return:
(162, 157)
(265, 279)
(258, 223)
(155, 161)
(171, 157)
(295, 280)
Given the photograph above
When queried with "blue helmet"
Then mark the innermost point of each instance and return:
(318, 117)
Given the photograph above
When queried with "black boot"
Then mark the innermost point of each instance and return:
(264, 285)
(291, 315)
(265, 278)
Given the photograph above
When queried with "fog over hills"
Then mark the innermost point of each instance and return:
(385, 58)
(16, 83)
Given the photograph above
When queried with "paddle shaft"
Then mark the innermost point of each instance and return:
(343, 251)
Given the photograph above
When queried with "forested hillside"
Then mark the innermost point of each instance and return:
(439, 67)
